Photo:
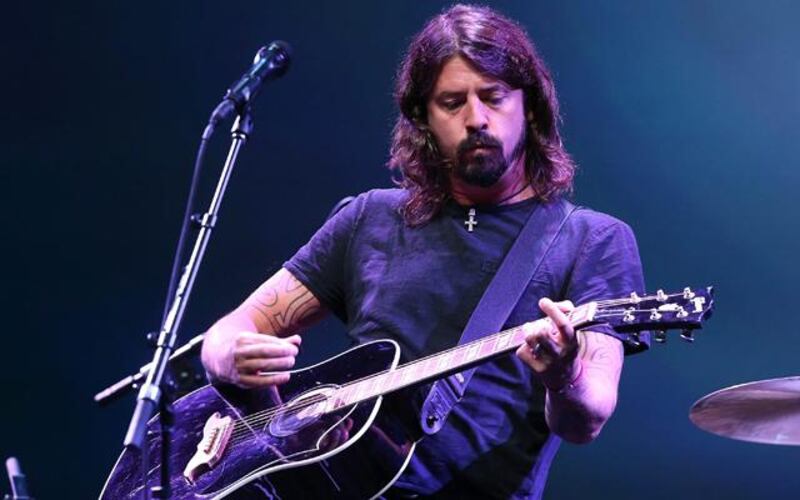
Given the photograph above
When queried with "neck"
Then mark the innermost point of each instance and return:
(514, 186)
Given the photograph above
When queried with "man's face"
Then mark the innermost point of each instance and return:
(478, 123)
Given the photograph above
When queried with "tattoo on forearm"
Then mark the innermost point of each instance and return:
(586, 408)
(602, 351)
(284, 304)
(293, 284)
(602, 355)
(269, 299)
(299, 308)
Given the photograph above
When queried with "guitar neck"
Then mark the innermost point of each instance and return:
(447, 362)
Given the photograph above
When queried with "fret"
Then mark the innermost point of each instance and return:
(518, 335)
(426, 367)
(487, 347)
(339, 399)
(381, 384)
(391, 380)
(358, 392)
(375, 386)
(502, 341)
(366, 389)
(472, 352)
(444, 360)
(405, 374)
(456, 357)
(396, 377)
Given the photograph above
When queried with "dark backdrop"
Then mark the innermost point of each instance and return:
(683, 115)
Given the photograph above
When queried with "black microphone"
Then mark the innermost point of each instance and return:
(19, 485)
(271, 62)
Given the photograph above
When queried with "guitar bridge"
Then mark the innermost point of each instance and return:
(216, 434)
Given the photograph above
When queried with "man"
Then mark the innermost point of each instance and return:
(478, 147)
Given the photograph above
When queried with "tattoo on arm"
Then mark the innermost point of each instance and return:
(602, 354)
(283, 305)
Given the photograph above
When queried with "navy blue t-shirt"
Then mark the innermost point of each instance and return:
(419, 286)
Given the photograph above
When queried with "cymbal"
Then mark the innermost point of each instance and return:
(766, 411)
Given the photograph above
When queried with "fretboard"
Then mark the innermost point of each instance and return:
(446, 362)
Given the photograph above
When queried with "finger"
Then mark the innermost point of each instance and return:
(249, 338)
(252, 366)
(246, 338)
(265, 350)
(294, 339)
(541, 336)
(545, 344)
(525, 353)
(558, 318)
(541, 331)
(535, 329)
(565, 306)
(265, 380)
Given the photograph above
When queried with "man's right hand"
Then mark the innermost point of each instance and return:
(252, 359)
(253, 345)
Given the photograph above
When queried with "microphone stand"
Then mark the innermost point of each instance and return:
(134, 381)
(156, 390)
(19, 485)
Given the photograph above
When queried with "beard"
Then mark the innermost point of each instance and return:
(485, 166)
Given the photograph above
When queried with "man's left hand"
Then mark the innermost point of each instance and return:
(551, 346)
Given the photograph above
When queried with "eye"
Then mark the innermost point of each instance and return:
(451, 104)
(496, 98)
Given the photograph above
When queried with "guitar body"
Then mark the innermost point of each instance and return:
(286, 450)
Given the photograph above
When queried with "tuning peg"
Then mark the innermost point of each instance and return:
(628, 316)
(687, 335)
(661, 336)
(634, 339)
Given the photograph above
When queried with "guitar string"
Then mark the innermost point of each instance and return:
(264, 415)
(245, 426)
(259, 417)
(256, 419)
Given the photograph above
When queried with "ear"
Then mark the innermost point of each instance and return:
(529, 116)
(419, 116)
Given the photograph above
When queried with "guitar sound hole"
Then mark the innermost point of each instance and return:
(301, 412)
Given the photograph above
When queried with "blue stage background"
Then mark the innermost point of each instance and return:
(684, 117)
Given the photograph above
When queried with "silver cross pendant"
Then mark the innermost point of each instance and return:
(471, 222)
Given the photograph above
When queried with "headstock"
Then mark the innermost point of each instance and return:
(685, 311)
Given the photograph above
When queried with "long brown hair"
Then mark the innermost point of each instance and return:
(498, 47)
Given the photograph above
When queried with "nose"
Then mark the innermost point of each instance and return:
(476, 117)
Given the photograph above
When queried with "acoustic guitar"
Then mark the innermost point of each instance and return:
(329, 432)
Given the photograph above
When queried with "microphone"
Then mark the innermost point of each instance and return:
(271, 62)
(19, 485)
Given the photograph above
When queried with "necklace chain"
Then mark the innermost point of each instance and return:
(523, 188)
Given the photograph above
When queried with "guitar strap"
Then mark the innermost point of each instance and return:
(519, 267)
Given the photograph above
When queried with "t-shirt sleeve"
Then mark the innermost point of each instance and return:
(608, 267)
(320, 264)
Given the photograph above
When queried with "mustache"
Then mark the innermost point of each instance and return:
(478, 139)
